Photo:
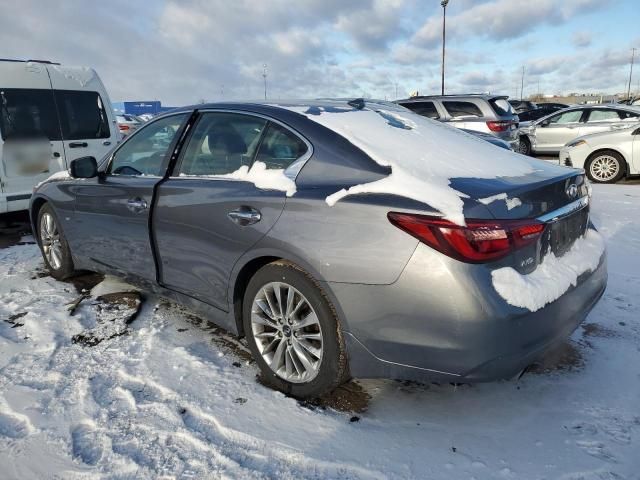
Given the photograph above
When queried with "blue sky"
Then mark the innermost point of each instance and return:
(184, 51)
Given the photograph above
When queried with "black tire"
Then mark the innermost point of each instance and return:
(613, 158)
(525, 146)
(65, 269)
(333, 368)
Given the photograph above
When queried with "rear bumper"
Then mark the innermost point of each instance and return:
(449, 324)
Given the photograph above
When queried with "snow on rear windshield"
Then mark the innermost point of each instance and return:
(424, 155)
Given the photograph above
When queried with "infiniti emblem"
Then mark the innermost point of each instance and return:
(572, 191)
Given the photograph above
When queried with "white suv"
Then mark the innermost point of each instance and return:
(49, 115)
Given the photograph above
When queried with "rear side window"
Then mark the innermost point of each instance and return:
(462, 109)
(222, 143)
(82, 115)
(501, 106)
(28, 114)
(280, 147)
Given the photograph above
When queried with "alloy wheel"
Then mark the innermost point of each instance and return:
(604, 168)
(287, 332)
(50, 239)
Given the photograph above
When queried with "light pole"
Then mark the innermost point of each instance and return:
(633, 54)
(443, 3)
(522, 85)
(264, 76)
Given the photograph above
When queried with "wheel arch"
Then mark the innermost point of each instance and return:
(34, 209)
(249, 264)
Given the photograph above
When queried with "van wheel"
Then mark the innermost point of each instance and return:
(293, 332)
(605, 167)
(525, 146)
(54, 247)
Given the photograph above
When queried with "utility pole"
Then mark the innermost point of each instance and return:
(633, 54)
(396, 84)
(522, 85)
(264, 76)
(443, 3)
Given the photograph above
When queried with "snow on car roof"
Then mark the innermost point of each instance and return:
(424, 155)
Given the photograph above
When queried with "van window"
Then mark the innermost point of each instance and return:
(462, 109)
(82, 115)
(28, 114)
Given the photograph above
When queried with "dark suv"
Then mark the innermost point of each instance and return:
(490, 114)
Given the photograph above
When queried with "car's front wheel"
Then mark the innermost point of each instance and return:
(605, 167)
(293, 332)
(55, 250)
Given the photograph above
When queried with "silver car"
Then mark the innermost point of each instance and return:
(490, 114)
(549, 134)
(343, 239)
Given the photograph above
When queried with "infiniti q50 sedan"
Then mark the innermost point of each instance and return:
(341, 238)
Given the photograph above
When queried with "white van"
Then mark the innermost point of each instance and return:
(49, 115)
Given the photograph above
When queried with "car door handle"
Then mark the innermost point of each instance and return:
(137, 205)
(244, 216)
(78, 145)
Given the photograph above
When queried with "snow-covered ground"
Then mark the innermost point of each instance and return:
(168, 396)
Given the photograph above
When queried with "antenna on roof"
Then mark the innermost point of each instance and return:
(357, 103)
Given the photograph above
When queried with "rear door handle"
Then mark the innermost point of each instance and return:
(78, 145)
(137, 205)
(244, 216)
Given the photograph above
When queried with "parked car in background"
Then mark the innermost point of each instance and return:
(522, 105)
(127, 123)
(276, 221)
(490, 114)
(50, 114)
(536, 113)
(606, 157)
(145, 117)
(556, 105)
(549, 134)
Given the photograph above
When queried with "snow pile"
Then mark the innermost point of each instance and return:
(261, 177)
(423, 155)
(511, 202)
(553, 277)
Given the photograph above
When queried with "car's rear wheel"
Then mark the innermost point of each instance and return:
(55, 250)
(525, 146)
(293, 332)
(605, 167)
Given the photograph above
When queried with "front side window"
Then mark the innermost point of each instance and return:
(222, 143)
(82, 115)
(280, 148)
(462, 109)
(568, 117)
(426, 109)
(28, 114)
(144, 153)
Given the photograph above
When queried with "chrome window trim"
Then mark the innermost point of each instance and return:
(291, 171)
(124, 142)
(562, 212)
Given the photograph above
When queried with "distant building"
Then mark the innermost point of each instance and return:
(140, 107)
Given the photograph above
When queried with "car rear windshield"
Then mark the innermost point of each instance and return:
(501, 106)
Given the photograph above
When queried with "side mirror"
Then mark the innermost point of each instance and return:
(84, 167)
(545, 123)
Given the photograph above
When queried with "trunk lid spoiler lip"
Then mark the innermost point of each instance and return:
(564, 211)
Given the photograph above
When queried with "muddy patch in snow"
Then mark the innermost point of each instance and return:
(565, 357)
(348, 398)
(85, 282)
(15, 230)
(596, 330)
(113, 313)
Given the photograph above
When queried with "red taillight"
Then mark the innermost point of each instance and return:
(499, 126)
(477, 242)
(123, 128)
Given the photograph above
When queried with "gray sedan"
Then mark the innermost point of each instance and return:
(549, 134)
(343, 239)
